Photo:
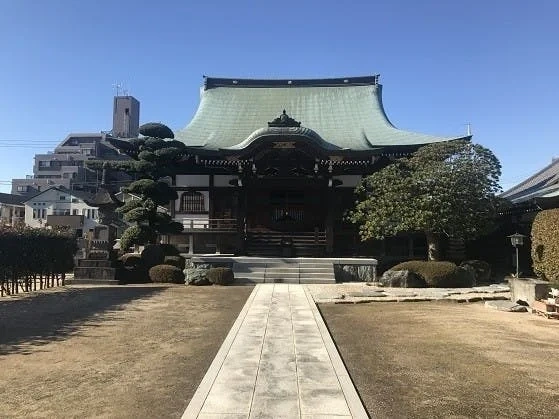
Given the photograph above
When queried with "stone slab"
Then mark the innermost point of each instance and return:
(505, 305)
(278, 360)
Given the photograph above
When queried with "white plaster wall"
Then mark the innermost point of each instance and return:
(221, 181)
(193, 180)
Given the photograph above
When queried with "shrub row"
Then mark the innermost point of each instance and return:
(25, 250)
(28, 255)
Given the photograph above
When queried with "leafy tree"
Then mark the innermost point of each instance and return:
(154, 156)
(443, 188)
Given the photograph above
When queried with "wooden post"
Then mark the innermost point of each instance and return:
(329, 224)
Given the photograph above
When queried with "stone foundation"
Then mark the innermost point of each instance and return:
(528, 290)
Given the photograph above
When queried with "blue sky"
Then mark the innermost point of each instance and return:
(443, 64)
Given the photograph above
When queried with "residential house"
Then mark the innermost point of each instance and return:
(12, 209)
(58, 206)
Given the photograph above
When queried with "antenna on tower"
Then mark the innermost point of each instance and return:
(125, 90)
(469, 129)
(118, 88)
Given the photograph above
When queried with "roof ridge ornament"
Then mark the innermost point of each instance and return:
(284, 120)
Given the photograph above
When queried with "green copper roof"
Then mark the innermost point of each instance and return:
(339, 113)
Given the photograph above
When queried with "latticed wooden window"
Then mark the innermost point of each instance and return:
(192, 202)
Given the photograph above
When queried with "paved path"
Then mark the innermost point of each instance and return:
(278, 361)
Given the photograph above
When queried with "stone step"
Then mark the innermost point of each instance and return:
(321, 270)
(94, 273)
(282, 281)
(272, 274)
(237, 268)
(91, 281)
(94, 263)
(315, 274)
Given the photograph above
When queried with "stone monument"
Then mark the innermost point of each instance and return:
(98, 265)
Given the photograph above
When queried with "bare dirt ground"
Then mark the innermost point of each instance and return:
(120, 352)
(448, 360)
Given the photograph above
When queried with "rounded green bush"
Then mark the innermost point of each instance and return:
(166, 274)
(152, 255)
(177, 261)
(221, 276)
(438, 274)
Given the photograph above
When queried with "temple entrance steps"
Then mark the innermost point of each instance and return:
(284, 270)
(287, 244)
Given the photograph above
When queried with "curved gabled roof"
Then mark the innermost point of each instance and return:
(544, 183)
(345, 113)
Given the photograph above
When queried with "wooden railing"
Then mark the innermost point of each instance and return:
(213, 224)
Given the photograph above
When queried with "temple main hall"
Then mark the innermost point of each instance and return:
(275, 164)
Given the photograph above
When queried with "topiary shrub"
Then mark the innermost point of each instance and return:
(438, 274)
(177, 261)
(166, 274)
(221, 276)
(131, 260)
(134, 235)
(545, 244)
(131, 270)
(170, 250)
(156, 130)
(152, 255)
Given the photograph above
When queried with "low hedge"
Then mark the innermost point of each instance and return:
(438, 274)
(177, 261)
(545, 244)
(166, 274)
(220, 276)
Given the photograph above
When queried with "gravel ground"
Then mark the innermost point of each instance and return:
(120, 352)
(440, 359)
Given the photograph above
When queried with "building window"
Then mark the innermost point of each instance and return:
(74, 212)
(22, 188)
(192, 202)
(44, 213)
(62, 198)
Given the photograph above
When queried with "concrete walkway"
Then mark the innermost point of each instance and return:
(278, 361)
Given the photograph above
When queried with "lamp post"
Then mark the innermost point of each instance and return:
(517, 240)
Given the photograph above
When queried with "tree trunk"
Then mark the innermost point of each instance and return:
(433, 246)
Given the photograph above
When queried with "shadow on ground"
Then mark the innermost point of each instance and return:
(46, 317)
